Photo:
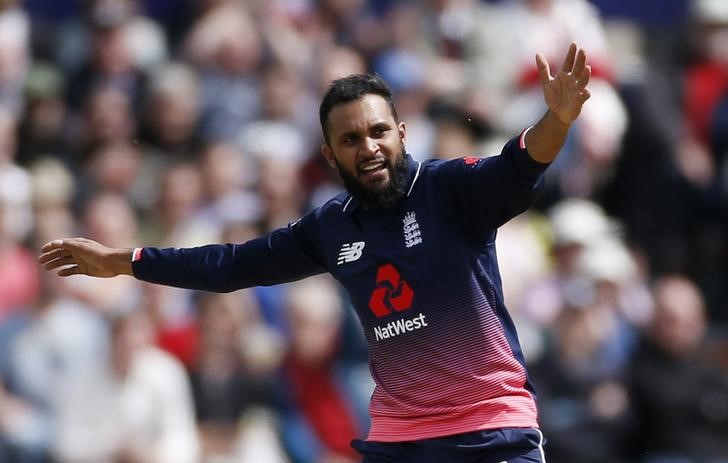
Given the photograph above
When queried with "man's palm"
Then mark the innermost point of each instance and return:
(80, 256)
(566, 92)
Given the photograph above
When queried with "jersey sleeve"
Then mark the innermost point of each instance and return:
(485, 193)
(284, 255)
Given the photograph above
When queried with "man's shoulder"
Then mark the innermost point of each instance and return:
(336, 204)
(434, 164)
(331, 208)
(444, 167)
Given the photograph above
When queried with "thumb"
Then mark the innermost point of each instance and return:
(544, 71)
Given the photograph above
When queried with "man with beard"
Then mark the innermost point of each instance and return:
(413, 243)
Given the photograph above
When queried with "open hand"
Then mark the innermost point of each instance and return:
(566, 92)
(82, 256)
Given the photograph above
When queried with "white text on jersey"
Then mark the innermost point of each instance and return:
(398, 327)
(350, 252)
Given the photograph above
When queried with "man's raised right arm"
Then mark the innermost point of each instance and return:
(275, 258)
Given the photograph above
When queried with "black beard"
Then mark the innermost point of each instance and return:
(379, 199)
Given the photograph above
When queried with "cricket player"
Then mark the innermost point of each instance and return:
(413, 243)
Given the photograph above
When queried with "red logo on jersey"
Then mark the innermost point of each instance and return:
(392, 293)
(470, 160)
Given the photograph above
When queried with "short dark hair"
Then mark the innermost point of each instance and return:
(352, 88)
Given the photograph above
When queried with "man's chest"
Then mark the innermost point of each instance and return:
(390, 263)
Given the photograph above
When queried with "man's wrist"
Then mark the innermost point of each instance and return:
(545, 139)
(122, 258)
(557, 120)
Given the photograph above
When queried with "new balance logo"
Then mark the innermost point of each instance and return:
(350, 252)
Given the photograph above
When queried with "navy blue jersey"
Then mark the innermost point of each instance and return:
(424, 280)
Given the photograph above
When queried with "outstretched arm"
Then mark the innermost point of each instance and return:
(82, 256)
(565, 94)
(279, 257)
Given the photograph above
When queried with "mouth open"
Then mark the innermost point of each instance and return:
(373, 170)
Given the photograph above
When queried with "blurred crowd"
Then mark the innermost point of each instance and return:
(185, 122)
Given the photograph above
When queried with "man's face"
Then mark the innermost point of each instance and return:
(366, 146)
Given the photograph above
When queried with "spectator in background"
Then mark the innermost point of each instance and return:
(169, 132)
(52, 338)
(575, 224)
(45, 348)
(172, 313)
(333, 62)
(145, 38)
(172, 109)
(233, 388)
(45, 119)
(229, 177)
(285, 100)
(581, 378)
(15, 56)
(701, 154)
(107, 118)
(406, 70)
(701, 159)
(679, 392)
(326, 402)
(66, 35)
(525, 241)
(173, 16)
(19, 281)
(15, 183)
(116, 169)
(346, 22)
(581, 234)
(53, 191)
(280, 191)
(138, 408)
(180, 197)
(111, 60)
(281, 138)
(227, 48)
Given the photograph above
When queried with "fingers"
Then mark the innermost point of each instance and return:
(580, 64)
(51, 245)
(585, 76)
(59, 262)
(574, 65)
(585, 95)
(71, 256)
(56, 254)
(68, 271)
(52, 255)
(544, 71)
(568, 65)
(60, 258)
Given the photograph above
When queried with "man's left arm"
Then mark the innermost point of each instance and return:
(488, 192)
(565, 94)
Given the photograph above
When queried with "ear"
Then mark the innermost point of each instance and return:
(402, 132)
(328, 154)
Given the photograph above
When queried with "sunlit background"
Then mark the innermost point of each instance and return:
(185, 122)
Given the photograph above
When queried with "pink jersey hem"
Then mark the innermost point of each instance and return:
(519, 412)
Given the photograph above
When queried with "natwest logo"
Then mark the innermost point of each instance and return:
(392, 293)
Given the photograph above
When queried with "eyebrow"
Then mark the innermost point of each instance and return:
(351, 133)
(377, 125)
